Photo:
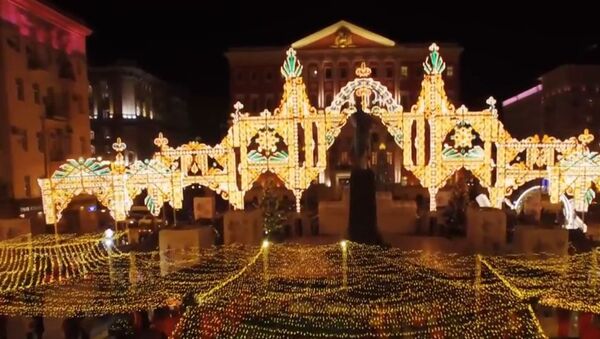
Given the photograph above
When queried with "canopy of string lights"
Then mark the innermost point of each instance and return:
(284, 290)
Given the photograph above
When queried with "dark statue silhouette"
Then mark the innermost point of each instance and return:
(362, 222)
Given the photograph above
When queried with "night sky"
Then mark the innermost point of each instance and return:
(505, 47)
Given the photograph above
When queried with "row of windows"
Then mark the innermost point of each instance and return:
(345, 160)
(255, 104)
(254, 76)
(41, 57)
(49, 99)
(328, 73)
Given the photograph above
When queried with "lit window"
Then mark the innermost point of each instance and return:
(404, 71)
(373, 158)
(92, 135)
(390, 157)
(450, 71)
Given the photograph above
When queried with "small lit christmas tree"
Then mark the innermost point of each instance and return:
(274, 214)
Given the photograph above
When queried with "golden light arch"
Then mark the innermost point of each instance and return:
(292, 141)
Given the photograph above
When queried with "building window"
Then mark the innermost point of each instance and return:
(404, 71)
(36, 94)
(404, 100)
(92, 135)
(328, 73)
(14, 42)
(269, 103)
(24, 143)
(389, 72)
(450, 71)
(27, 186)
(240, 76)
(328, 99)
(83, 145)
(390, 157)
(268, 76)
(20, 89)
(93, 149)
(252, 76)
(254, 104)
(343, 73)
(40, 142)
(373, 158)
(79, 103)
(104, 89)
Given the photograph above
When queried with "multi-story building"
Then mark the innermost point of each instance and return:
(566, 101)
(330, 57)
(43, 91)
(129, 103)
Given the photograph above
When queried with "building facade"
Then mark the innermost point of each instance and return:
(330, 58)
(43, 110)
(566, 101)
(128, 103)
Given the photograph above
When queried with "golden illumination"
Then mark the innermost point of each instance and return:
(292, 141)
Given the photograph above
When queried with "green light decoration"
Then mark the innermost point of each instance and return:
(259, 158)
(589, 196)
(152, 206)
(473, 153)
(291, 67)
(434, 64)
(82, 166)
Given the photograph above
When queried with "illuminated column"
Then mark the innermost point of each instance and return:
(432, 195)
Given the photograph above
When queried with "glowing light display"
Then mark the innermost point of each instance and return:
(285, 290)
(291, 142)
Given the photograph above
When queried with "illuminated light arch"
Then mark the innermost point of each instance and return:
(292, 141)
(376, 99)
(568, 209)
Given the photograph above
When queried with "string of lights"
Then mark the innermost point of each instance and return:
(357, 291)
(285, 290)
(32, 261)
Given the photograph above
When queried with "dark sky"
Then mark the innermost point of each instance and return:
(182, 41)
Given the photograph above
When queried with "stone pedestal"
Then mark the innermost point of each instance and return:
(486, 230)
(362, 216)
(534, 239)
(179, 246)
(243, 227)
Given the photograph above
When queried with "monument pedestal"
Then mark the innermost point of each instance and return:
(362, 222)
